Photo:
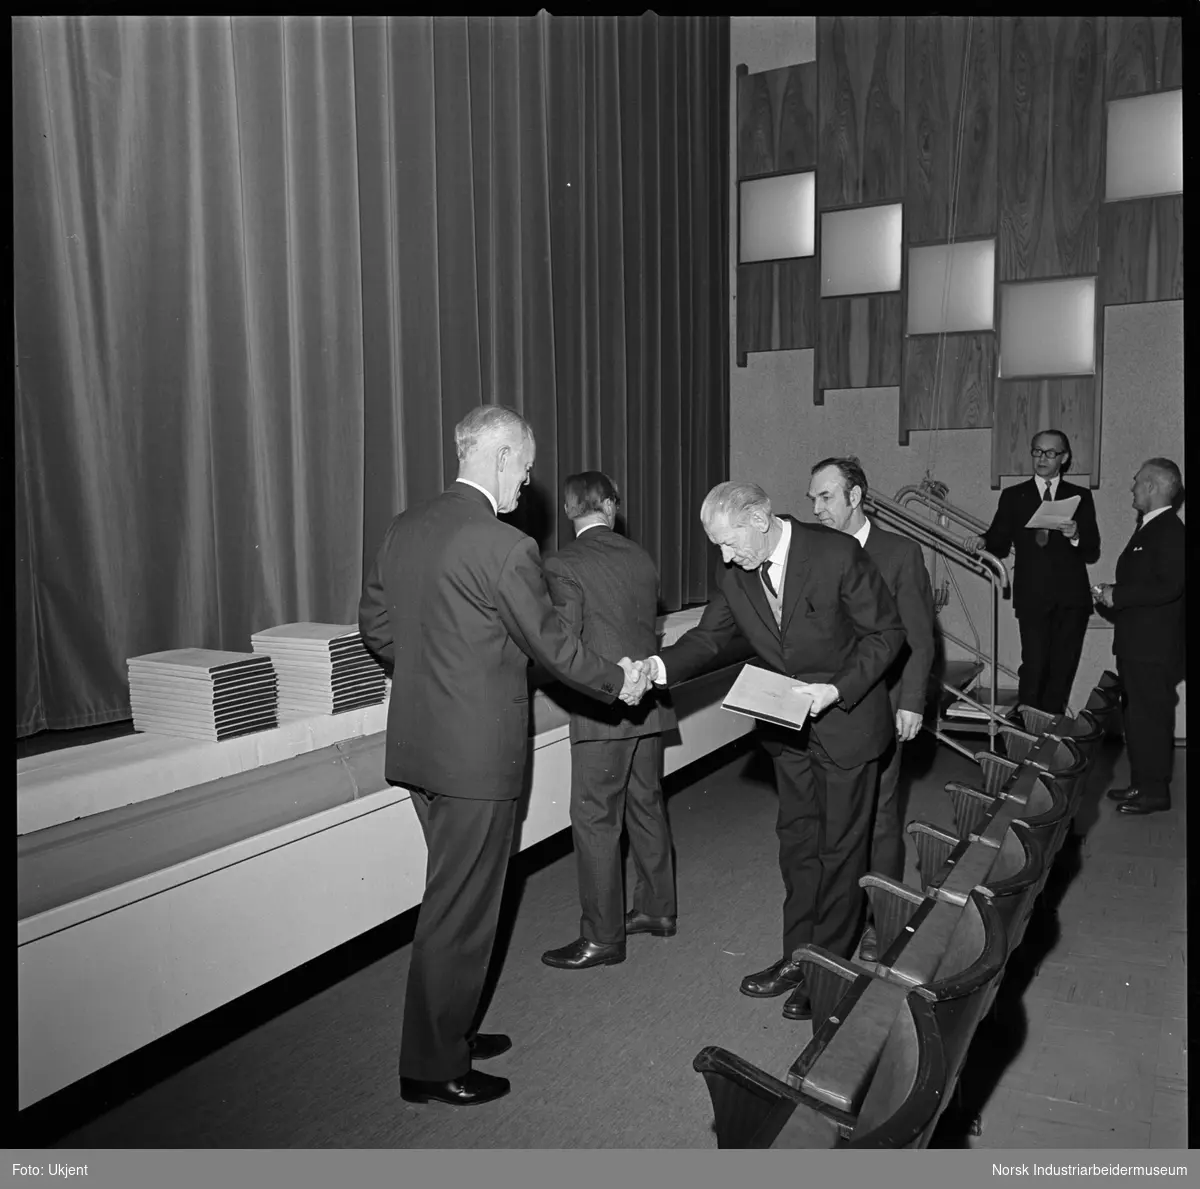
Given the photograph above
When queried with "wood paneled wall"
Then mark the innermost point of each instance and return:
(1051, 145)
(982, 126)
(1141, 250)
(777, 120)
(947, 382)
(1143, 55)
(777, 305)
(951, 85)
(1023, 407)
(860, 342)
(860, 142)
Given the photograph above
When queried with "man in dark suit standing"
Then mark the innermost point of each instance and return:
(457, 604)
(1149, 625)
(809, 602)
(1051, 597)
(606, 591)
(837, 489)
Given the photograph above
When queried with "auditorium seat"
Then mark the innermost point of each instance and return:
(1082, 729)
(1010, 875)
(1045, 814)
(893, 906)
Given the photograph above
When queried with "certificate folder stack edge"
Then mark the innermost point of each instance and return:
(202, 693)
(323, 668)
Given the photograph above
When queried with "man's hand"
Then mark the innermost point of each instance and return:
(1069, 529)
(1103, 593)
(637, 681)
(908, 724)
(823, 696)
(974, 544)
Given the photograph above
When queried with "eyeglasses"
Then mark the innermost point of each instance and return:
(1047, 453)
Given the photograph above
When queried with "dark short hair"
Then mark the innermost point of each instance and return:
(587, 491)
(1058, 433)
(850, 470)
(1170, 471)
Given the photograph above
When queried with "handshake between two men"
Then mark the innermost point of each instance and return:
(641, 675)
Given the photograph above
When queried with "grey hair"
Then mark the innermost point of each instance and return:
(1169, 473)
(734, 502)
(488, 422)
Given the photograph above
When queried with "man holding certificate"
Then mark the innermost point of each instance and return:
(1051, 524)
(807, 602)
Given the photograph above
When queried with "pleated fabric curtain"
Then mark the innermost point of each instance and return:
(263, 265)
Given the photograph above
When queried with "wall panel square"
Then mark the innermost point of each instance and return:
(859, 341)
(860, 83)
(1050, 146)
(1025, 407)
(776, 305)
(951, 91)
(1141, 250)
(777, 113)
(948, 382)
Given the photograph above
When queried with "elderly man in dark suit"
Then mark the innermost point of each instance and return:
(605, 588)
(1149, 623)
(1051, 598)
(457, 605)
(837, 489)
(807, 601)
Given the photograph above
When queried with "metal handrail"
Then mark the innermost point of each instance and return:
(984, 564)
(897, 515)
(942, 507)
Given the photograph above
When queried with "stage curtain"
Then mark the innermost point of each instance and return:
(262, 265)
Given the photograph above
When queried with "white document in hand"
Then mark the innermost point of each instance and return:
(1054, 513)
(773, 697)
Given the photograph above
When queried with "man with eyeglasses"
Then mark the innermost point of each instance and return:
(1051, 596)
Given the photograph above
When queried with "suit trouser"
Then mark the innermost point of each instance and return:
(824, 829)
(1149, 710)
(469, 844)
(615, 782)
(1051, 645)
(886, 856)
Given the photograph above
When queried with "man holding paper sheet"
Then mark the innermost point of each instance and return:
(1051, 596)
(808, 602)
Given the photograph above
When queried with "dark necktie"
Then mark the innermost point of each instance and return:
(765, 571)
(1042, 536)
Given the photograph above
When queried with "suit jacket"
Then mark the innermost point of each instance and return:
(1050, 575)
(456, 602)
(839, 625)
(902, 565)
(605, 589)
(1148, 594)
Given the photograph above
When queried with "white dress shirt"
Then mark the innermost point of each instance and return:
(777, 567)
(1149, 516)
(863, 533)
(1052, 484)
(491, 498)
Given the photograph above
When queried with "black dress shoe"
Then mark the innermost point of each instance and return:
(1122, 794)
(868, 948)
(486, 1045)
(1140, 805)
(581, 954)
(775, 980)
(798, 1005)
(469, 1090)
(643, 922)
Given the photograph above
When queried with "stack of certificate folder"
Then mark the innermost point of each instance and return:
(323, 668)
(201, 693)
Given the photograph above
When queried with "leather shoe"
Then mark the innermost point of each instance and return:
(1140, 804)
(1123, 794)
(798, 1005)
(581, 954)
(868, 948)
(469, 1090)
(775, 980)
(486, 1045)
(643, 922)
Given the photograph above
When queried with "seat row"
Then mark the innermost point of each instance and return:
(889, 1042)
